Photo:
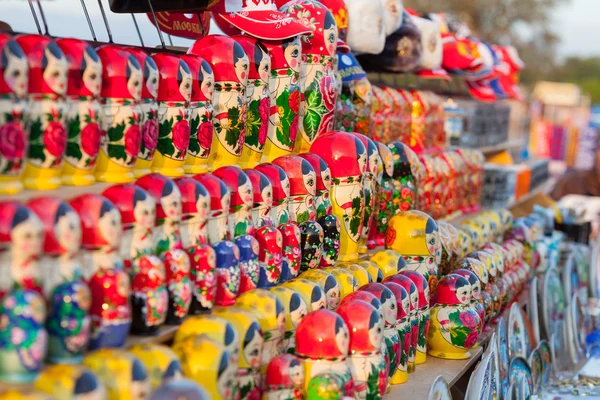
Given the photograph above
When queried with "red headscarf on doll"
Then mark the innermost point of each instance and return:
(343, 152)
(190, 190)
(446, 289)
(421, 284)
(175, 78)
(79, 55)
(125, 197)
(370, 147)
(364, 296)
(339, 10)
(199, 69)
(12, 213)
(260, 182)
(221, 52)
(234, 178)
(279, 180)
(281, 370)
(158, 186)
(297, 169)
(147, 64)
(10, 53)
(400, 293)
(321, 169)
(254, 50)
(217, 190)
(42, 53)
(48, 209)
(361, 317)
(406, 283)
(117, 67)
(91, 207)
(322, 334)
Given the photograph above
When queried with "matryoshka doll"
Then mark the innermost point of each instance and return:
(454, 320)
(200, 113)
(249, 263)
(149, 108)
(251, 342)
(161, 363)
(346, 281)
(281, 192)
(476, 299)
(47, 86)
(82, 112)
(121, 115)
(203, 263)
(373, 270)
(290, 251)
(138, 216)
(227, 272)
(303, 184)
(383, 202)
(405, 183)
(167, 196)
(230, 66)
(284, 378)
(242, 197)
(220, 200)
(390, 262)
(13, 106)
(149, 295)
(270, 243)
(295, 309)
(370, 179)
(285, 121)
(263, 198)
(404, 328)
(257, 100)
(489, 264)
(311, 244)
(195, 209)
(174, 94)
(347, 158)
(122, 373)
(23, 339)
(269, 312)
(323, 183)
(209, 364)
(479, 269)
(365, 326)
(322, 344)
(70, 382)
(359, 273)
(422, 313)
(310, 291)
(328, 283)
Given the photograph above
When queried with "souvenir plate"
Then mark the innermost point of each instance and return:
(501, 334)
(439, 390)
(536, 365)
(532, 308)
(516, 333)
(570, 279)
(495, 381)
(553, 303)
(546, 354)
(528, 335)
(579, 324)
(480, 384)
(512, 392)
(519, 369)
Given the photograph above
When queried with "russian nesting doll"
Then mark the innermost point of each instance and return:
(149, 108)
(122, 373)
(383, 202)
(242, 197)
(195, 208)
(201, 114)
(346, 281)
(249, 264)
(373, 270)
(70, 382)
(281, 192)
(284, 378)
(404, 329)
(220, 200)
(290, 251)
(23, 339)
(405, 182)
(295, 309)
(347, 158)
(359, 273)
(82, 111)
(149, 295)
(13, 105)
(47, 87)
(390, 262)
(365, 326)
(328, 283)
(311, 244)
(230, 66)
(203, 263)
(302, 178)
(227, 272)
(270, 243)
(251, 343)
(269, 311)
(179, 285)
(479, 269)
(284, 119)
(476, 299)
(422, 313)
(491, 287)
(331, 239)
(310, 291)
(455, 321)
(174, 94)
(181, 388)
(121, 115)
(263, 198)
(323, 183)
(161, 363)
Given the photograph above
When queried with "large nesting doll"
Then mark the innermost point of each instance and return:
(230, 66)
(200, 113)
(281, 192)
(270, 243)
(328, 283)
(369, 187)
(149, 108)
(405, 183)
(82, 112)
(47, 86)
(317, 74)
(203, 264)
(13, 106)
(121, 115)
(249, 265)
(358, 90)
(347, 158)
(303, 184)
(284, 378)
(291, 252)
(295, 309)
(422, 313)
(263, 198)
(195, 208)
(70, 382)
(160, 361)
(310, 291)
(383, 202)
(220, 200)
(404, 329)
(149, 295)
(476, 299)
(242, 199)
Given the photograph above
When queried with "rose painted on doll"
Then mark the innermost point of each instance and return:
(471, 339)
(90, 139)
(294, 130)
(133, 140)
(328, 91)
(181, 135)
(55, 139)
(12, 141)
(468, 319)
(205, 135)
(294, 101)
(390, 236)
(150, 134)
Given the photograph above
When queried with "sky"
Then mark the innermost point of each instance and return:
(577, 23)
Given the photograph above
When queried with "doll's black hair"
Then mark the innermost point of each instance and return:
(431, 226)
(167, 189)
(323, 165)
(139, 195)
(106, 207)
(278, 307)
(54, 50)
(11, 47)
(131, 60)
(374, 319)
(358, 145)
(294, 362)
(89, 51)
(86, 383)
(339, 324)
(238, 52)
(263, 181)
(295, 302)
(138, 372)
(316, 295)
(259, 51)
(204, 66)
(461, 282)
(200, 190)
(182, 66)
(329, 20)
(223, 363)
(253, 330)
(386, 295)
(306, 167)
(148, 65)
(242, 179)
(229, 334)
(376, 303)
(62, 210)
(172, 369)
(330, 283)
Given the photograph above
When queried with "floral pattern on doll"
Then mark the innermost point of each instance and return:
(201, 128)
(149, 108)
(26, 237)
(257, 121)
(170, 236)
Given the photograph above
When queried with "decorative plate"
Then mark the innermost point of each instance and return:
(537, 369)
(532, 308)
(439, 390)
(495, 381)
(570, 279)
(546, 354)
(553, 302)
(519, 369)
(528, 335)
(511, 394)
(516, 333)
(479, 386)
(501, 334)
(579, 323)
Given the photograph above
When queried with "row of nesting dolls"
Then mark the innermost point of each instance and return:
(167, 113)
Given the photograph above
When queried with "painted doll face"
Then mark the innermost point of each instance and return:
(185, 86)
(203, 206)
(55, 72)
(134, 82)
(342, 338)
(140, 390)
(376, 331)
(320, 303)
(426, 293)
(15, 70)
(331, 36)
(241, 68)
(333, 297)
(110, 227)
(463, 294)
(226, 380)
(245, 193)
(171, 203)
(152, 78)
(293, 54)
(389, 311)
(281, 321)
(326, 177)
(388, 164)
(267, 195)
(285, 185)
(298, 314)
(208, 83)
(406, 304)
(296, 374)
(433, 242)
(476, 289)
(253, 349)
(310, 181)
(92, 75)
(362, 160)
(68, 232)
(144, 212)
(264, 66)
(27, 237)
(414, 298)
(373, 162)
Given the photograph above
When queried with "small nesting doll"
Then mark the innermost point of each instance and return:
(290, 251)
(174, 94)
(383, 201)
(230, 66)
(269, 312)
(455, 321)
(390, 262)
(322, 345)
(209, 364)
(479, 269)
(201, 114)
(70, 382)
(220, 199)
(359, 273)
(251, 342)
(373, 270)
(47, 86)
(149, 109)
(203, 263)
(13, 106)
(270, 243)
(121, 115)
(249, 264)
(303, 184)
(365, 326)
(346, 281)
(284, 378)
(180, 389)
(149, 296)
(310, 291)
(281, 191)
(23, 339)
(295, 309)
(263, 198)
(122, 373)
(227, 272)
(317, 73)
(489, 264)
(405, 183)
(404, 329)
(82, 112)
(328, 283)
(161, 363)
(311, 244)
(331, 239)
(284, 119)
(347, 157)
(476, 299)
(257, 101)
(195, 209)
(213, 327)
(422, 313)
(242, 200)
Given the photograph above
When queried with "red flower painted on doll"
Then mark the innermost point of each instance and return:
(383, 381)
(181, 135)
(90, 139)
(242, 139)
(468, 319)
(390, 236)
(12, 141)
(426, 330)
(406, 342)
(55, 138)
(405, 192)
(150, 134)
(133, 139)
(205, 135)
(294, 101)
(327, 86)
(294, 130)
(263, 109)
(471, 339)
